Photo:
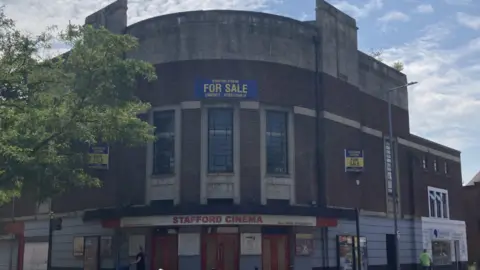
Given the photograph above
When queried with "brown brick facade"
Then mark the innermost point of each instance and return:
(285, 86)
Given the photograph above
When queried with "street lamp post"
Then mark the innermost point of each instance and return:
(394, 171)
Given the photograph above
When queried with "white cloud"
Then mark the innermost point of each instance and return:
(360, 10)
(303, 16)
(394, 16)
(34, 16)
(426, 8)
(469, 21)
(444, 105)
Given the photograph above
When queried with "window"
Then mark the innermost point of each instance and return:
(446, 169)
(435, 165)
(425, 163)
(438, 203)
(277, 142)
(441, 253)
(220, 140)
(44, 207)
(164, 145)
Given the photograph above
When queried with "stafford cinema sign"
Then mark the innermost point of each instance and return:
(192, 220)
(241, 219)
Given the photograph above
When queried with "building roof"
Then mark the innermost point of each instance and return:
(475, 179)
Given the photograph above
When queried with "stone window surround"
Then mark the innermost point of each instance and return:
(444, 192)
(254, 105)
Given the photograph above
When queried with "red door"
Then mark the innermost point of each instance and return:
(220, 251)
(275, 253)
(165, 252)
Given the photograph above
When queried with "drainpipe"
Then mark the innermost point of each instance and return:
(118, 236)
(319, 133)
(358, 263)
(319, 140)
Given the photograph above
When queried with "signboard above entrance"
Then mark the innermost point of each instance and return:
(192, 220)
(236, 89)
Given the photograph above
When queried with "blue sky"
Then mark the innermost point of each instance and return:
(437, 40)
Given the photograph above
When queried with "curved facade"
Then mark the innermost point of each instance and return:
(274, 88)
(258, 118)
(220, 34)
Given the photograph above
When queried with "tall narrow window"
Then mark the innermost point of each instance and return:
(164, 145)
(277, 142)
(438, 202)
(435, 164)
(220, 140)
(432, 203)
(446, 168)
(424, 162)
(445, 205)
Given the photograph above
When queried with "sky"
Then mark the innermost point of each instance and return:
(437, 40)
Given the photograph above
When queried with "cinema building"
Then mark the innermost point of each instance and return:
(271, 133)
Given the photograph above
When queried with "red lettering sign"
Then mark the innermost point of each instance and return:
(213, 219)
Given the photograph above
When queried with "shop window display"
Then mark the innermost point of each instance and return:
(441, 252)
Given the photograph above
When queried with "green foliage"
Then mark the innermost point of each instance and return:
(51, 110)
(398, 66)
(377, 54)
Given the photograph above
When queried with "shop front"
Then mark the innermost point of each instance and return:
(225, 242)
(446, 242)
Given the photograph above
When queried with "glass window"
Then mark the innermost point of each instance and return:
(439, 206)
(220, 140)
(164, 146)
(445, 205)
(432, 201)
(446, 169)
(424, 162)
(277, 142)
(438, 203)
(435, 164)
(441, 253)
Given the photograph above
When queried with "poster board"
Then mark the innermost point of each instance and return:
(251, 244)
(188, 244)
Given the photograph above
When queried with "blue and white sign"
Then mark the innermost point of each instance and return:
(237, 89)
(441, 234)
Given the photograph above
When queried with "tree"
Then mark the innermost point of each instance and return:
(377, 54)
(398, 66)
(51, 110)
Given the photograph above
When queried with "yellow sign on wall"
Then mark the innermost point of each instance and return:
(98, 157)
(354, 160)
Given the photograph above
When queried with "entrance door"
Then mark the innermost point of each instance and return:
(275, 255)
(220, 251)
(165, 252)
(391, 255)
